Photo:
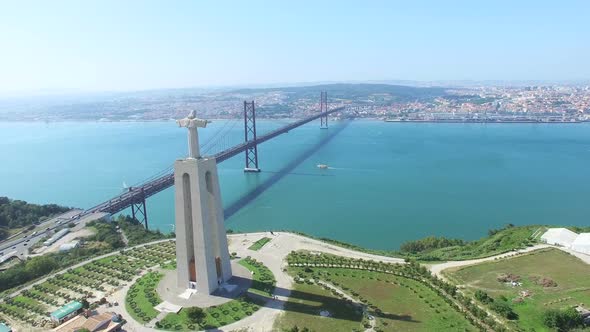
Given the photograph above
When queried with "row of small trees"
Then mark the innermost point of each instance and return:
(411, 269)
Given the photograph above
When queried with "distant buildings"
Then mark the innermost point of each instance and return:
(371, 101)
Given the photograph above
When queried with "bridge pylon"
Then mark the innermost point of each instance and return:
(138, 209)
(250, 135)
(323, 109)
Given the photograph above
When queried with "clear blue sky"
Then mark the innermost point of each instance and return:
(130, 45)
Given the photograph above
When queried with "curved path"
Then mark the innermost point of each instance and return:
(273, 255)
(438, 268)
(38, 281)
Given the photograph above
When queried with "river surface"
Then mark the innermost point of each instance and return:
(387, 182)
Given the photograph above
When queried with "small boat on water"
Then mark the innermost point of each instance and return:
(322, 166)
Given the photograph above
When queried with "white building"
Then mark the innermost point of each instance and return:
(559, 236)
(582, 243)
(56, 237)
(69, 245)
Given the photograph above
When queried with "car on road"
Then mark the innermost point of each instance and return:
(25, 244)
(14, 247)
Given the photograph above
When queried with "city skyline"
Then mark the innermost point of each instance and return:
(112, 46)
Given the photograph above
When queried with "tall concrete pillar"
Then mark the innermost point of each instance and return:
(202, 255)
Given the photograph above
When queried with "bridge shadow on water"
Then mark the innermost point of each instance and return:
(286, 170)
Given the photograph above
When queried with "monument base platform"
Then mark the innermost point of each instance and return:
(169, 291)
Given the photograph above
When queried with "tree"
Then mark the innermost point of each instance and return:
(195, 314)
(562, 320)
(504, 309)
(483, 297)
(429, 243)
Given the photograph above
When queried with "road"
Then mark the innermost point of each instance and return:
(19, 245)
(273, 255)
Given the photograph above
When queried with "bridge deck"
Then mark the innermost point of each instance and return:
(139, 193)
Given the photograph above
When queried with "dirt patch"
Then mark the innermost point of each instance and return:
(508, 277)
(543, 281)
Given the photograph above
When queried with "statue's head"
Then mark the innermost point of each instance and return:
(192, 115)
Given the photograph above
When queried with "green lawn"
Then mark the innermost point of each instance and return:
(259, 244)
(304, 306)
(398, 303)
(38, 306)
(405, 304)
(232, 311)
(570, 274)
(215, 316)
(505, 240)
(142, 297)
(263, 281)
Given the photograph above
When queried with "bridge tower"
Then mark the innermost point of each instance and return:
(138, 210)
(250, 135)
(324, 108)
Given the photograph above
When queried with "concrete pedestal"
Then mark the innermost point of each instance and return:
(201, 243)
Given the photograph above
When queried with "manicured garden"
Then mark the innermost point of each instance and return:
(263, 281)
(305, 303)
(89, 282)
(142, 297)
(259, 244)
(545, 279)
(386, 290)
(389, 293)
(216, 316)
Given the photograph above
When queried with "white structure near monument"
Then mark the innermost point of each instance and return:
(202, 255)
(559, 236)
(582, 243)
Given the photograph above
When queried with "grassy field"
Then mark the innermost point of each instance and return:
(405, 304)
(263, 281)
(398, 303)
(505, 240)
(569, 273)
(259, 244)
(304, 306)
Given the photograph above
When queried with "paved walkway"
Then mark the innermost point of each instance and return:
(273, 255)
(438, 268)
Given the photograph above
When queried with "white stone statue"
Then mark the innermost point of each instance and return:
(192, 123)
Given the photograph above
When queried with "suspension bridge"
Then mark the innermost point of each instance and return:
(135, 196)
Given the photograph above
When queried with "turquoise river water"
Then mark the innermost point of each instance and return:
(387, 182)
